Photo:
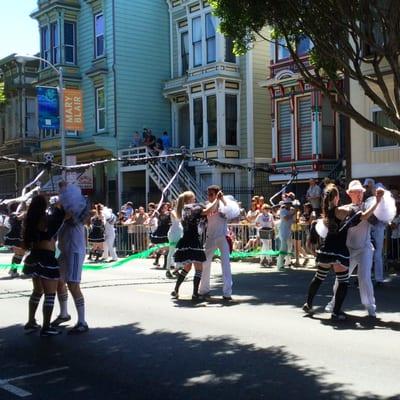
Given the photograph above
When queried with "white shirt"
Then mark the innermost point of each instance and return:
(314, 191)
(265, 221)
(217, 225)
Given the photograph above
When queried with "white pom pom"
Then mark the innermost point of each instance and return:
(386, 209)
(231, 210)
(73, 201)
(321, 228)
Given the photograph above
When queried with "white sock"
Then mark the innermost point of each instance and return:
(80, 308)
(63, 300)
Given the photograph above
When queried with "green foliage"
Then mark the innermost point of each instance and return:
(2, 94)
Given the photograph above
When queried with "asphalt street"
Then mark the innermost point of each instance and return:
(144, 345)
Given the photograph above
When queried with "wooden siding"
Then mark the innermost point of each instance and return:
(243, 109)
(261, 102)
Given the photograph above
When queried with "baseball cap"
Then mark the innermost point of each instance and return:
(369, 181)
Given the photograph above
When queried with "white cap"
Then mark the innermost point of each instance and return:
(369, 181)
(380, 185)
(355, 186)
(53, 200)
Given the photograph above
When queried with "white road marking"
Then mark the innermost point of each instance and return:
(4, 383)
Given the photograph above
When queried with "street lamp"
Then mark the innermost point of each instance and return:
(22, 59)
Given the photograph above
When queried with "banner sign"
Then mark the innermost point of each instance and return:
(73, 113)
(48, 107)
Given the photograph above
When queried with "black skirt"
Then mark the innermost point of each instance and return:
(189, 250)
(42, 263)
(96, 235)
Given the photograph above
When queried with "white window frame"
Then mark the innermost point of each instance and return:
(96, 54)
(98, 110)
(180, 32)
(374, 109)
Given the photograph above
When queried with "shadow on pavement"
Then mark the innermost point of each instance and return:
(124, 362)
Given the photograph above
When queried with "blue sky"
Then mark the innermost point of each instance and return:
(18, 31)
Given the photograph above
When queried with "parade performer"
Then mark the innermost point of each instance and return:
(72, 245)
(359, 243)
(109, 235)
(220, 210)
(286, 215)
(13, 237)
(39, 232)
(189, 249)
(175, 232)
(160, 234)
(333, 253)
(96, 233)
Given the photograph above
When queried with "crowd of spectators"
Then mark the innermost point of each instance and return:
(156, 146)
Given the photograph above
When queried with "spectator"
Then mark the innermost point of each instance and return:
(166, 142)
(127, 210)
(313, 196)
(136, 140)
(150, 142)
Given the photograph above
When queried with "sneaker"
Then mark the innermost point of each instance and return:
(306, 308)
(169, 275)
(13, 274)
(227, 298)
(60, 320)
(329, 307)
(371, 311)
(341, 316)
(196, 297)
(50, 331)
(174, 294)
(31, 326)
(79, 328)
(205, 296)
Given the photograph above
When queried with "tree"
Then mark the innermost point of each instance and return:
(355, 39)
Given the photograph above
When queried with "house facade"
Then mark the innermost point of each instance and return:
(308, 137)
(217, 109)
(19, 135)
(118, 59)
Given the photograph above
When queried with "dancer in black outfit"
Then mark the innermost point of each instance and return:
(40, 228)
(13, 238)
(189, 249)
(160, 235)
(333, 252)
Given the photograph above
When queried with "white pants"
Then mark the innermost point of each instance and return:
(378, 233)
(171, 252)
(266, 244)
(361, 258)
(108, 247)
(211, 245)
(286, 247)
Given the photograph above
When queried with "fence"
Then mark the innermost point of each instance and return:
(136, 238)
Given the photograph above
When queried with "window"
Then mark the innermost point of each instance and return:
(304, 45)
(228, 182)
(304, 133)
(205, 181)
(231, 119)
(100, 110)
(284, 118)
(69, 42)
(196, 41)
(328, 140)
(99, 35)
(55, 43)
(184, 52)
(210, 38)
(380, 118)
(30, 116)
(212, 120)
(229, 55)
(45, 44)
(198, 122)
(282, 52)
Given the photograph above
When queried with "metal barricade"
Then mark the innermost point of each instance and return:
(131, 239)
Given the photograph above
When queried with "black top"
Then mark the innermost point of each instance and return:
(55, 218)
(191, 217)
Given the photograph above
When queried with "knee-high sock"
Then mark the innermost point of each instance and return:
(319, 277)
(196, 282)
(63, 300)
(341, 291)
(80, 308)
(165, 260)
(48, 306)
(33, 305)
(181, 278)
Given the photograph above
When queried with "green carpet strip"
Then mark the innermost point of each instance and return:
(145, 254)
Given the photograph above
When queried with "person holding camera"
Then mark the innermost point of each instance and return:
(286, 214)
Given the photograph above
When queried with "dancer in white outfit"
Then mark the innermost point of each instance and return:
(265, 225)
(217, 230)
(175, 232)
(109, 235)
